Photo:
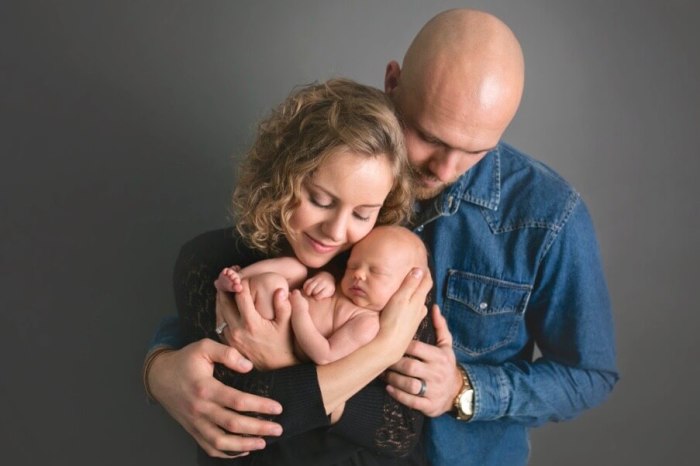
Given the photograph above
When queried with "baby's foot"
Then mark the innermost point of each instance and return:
(229, 280)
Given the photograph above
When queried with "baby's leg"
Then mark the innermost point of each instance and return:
(262, 287)
(229, 280)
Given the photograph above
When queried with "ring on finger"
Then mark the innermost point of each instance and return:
(220, 328)
(423, 388)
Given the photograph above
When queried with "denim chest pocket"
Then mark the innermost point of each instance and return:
(483, 313)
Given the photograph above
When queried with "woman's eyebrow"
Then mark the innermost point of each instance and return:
(330, 194)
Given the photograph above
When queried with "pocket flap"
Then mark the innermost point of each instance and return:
(486, 295)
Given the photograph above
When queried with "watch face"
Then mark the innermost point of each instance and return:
(465, 401)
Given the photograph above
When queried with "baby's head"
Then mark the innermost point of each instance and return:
(379, 263)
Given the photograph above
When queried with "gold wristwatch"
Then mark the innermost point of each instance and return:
(464, 401)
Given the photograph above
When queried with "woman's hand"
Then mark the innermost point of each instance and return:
(268, 344)
(404, 311)
(182, 382)
(399, 320)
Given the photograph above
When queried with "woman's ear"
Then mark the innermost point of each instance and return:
(391, 78)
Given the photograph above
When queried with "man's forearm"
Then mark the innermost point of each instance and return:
(534, 393)
(167, 337)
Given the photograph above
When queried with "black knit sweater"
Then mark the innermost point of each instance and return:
(374, 428)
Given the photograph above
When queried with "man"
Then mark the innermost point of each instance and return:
(516, 265)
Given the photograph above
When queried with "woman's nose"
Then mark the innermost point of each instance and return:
(336, 228)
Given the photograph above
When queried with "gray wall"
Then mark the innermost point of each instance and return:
(118, 123)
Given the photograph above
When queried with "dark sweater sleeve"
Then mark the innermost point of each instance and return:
(296, 387)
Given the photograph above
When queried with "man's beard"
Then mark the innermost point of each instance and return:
(423, 191)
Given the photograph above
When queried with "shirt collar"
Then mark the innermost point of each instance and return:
(481, 184)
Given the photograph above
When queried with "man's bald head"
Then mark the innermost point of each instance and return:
(459, 86)
(472, 50)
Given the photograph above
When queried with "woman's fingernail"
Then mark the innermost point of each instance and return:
(417, 273)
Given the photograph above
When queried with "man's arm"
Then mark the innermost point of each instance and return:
(570, 319)
(182, 382)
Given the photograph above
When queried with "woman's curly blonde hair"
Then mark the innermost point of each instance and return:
(312, 124)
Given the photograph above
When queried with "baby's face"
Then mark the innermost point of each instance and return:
(375, 270)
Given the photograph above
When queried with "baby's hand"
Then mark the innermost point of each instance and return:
(320, 286)
(229, 280)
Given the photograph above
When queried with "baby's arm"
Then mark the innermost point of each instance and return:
(354, 333)
(288, 267)
(320, 286)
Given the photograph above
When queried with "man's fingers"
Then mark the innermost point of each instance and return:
(226, 355)
(242, 424)
(405, 391)
(220, 444)
(229, 397)
(245, 402)
(410, 385)
(405, 398)
(442, 332)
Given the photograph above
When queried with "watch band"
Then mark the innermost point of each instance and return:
(466, 394)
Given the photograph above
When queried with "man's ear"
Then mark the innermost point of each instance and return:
(391, 78)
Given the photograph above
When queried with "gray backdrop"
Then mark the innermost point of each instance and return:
(118, 126)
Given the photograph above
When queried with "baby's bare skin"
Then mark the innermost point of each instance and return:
(330, 323)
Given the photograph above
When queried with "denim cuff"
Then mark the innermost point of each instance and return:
(490, 391)
(168, 337)
(167, 334)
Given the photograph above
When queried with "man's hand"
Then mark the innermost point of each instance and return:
(182, 382)
(268, 344)
(435, 365)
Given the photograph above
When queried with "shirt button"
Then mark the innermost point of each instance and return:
(483, 306)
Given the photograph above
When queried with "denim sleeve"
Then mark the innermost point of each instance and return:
(570, 318)
(168, 335)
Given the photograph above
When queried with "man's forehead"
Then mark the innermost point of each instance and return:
(447, 113)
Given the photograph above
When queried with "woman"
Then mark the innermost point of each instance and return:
(326, 166)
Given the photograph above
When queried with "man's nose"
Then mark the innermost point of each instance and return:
(444, 164)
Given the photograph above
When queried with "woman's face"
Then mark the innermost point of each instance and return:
(339, 206)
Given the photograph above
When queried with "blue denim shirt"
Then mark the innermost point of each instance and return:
(517, 265)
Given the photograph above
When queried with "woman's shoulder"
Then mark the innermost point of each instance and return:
(222, 247)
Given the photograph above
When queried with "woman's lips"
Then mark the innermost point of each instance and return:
(320, 247)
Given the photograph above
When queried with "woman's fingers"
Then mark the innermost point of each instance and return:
(246, 306)
(283, 308)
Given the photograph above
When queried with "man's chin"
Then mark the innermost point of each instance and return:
(423, 192)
